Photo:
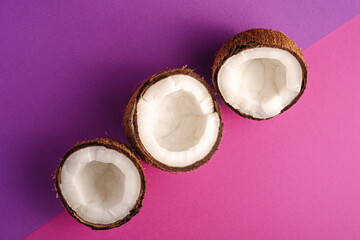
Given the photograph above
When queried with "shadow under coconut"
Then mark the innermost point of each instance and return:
(43, 154)
(97, 112)
(201, 42)
(117, 83)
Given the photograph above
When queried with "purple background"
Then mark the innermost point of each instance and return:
(68, 69)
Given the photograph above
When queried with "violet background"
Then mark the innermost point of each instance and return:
(68, 68)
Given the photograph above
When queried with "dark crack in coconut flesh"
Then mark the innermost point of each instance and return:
(101, 183)
(173, 121)
(260, 73)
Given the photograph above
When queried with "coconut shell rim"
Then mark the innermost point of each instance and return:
(293, 50)
(114, 145)
(131, 128)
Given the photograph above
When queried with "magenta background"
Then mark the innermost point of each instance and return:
(294, 177)
(68, 68)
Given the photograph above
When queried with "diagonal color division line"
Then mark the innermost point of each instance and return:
(68, 68)
(297, 179)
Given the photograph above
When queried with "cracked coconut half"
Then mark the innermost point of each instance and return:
(173, 121)
(260, 73)
(101, 183)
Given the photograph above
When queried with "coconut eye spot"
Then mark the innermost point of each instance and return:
(260, 82)
(179, 123)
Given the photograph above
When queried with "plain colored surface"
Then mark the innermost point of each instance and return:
(67, 69)
(293, 177)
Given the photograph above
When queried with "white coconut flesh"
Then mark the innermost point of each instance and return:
(100, 184)
(177, 122)
(260, 82)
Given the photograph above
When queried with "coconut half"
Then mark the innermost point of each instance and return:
(101, 183)
(173, 121)
(260, 73)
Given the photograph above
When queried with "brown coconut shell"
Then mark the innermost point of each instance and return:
(257, 38)
(131, 128)
(112, 144)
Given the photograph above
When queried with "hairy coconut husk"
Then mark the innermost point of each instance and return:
(257, 38)
(130, 121)
(111, 144)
